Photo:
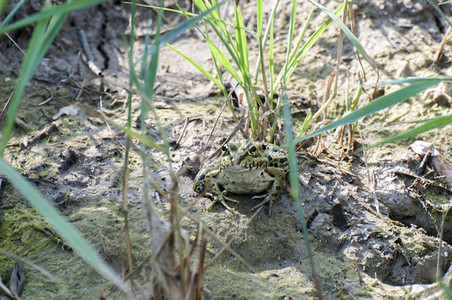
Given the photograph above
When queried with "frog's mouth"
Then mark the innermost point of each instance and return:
(238, 164)
(243, 169)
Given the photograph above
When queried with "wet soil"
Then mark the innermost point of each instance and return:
(373, 217)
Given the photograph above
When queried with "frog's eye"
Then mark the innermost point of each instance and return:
(252, 148)
(225, 149)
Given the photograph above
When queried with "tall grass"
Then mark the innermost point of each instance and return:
(172, 274)
(233, 37)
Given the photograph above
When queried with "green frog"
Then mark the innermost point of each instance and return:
(244, 167)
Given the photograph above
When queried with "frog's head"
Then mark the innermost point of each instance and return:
(244, 154)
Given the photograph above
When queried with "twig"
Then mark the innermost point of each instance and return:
(424, 180)
(44, 133)
(81, 90)
(21, 124)
(327, 100)
(441, 46)
(5, 109)
(233, 133)
(358, 271)
(213, 128)
(440, 250)
(88, 57)
(15, 44)
(184, 129)
(201, 267)
(48, 99)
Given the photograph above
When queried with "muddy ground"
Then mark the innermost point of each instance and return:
(373, 217)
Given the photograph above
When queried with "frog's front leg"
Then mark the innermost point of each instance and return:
(220, 197)
(214, 192)
(207, 183)
(274, 191)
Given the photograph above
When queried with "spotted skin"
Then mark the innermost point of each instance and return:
(244, 167)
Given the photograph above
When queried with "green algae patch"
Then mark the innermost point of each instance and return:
(222, 283)
(25, 233)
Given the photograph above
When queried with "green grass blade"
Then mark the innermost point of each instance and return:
(295, 183)
(200, 5)
(217, 23)
(293, 177)
(270, 22)
(301, 36)
(347, 32)
(407, 80)
(59, 224)
(377, 105)
(217, 68)
(151, 69)
(269, 30)
(271, 65)
(290, 38)
(52, 30)
(428, 125)
(306, 122)
(2, 6)
(141, 137)
(215, 16)
(221, 32)
(173, 34)
(228, 43)
(45, 14)
(242, 44)
(170, 36)
(199, 67)
(260, 18)
(215, 13)
(11, 13)
(151, 74)
(293, 171)
(439, 10)
(289, 41)
(224, 61)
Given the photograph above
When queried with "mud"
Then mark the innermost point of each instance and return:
(373, 228)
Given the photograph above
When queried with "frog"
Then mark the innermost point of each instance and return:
(244, 167)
